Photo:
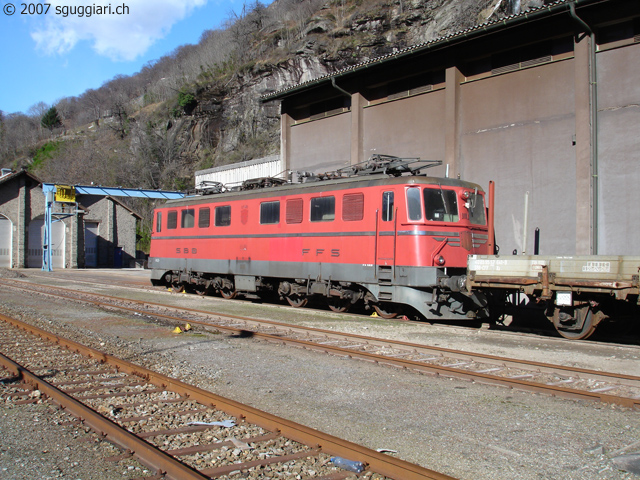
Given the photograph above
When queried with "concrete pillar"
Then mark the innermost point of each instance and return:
(285, 139)
(357, 131)
(20, 234)
(585, 201)
(453, 80)
(111, 226)
(77, 240)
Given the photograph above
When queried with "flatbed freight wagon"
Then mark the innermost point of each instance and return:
(576, 292)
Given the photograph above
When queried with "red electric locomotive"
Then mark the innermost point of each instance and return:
(393, 241)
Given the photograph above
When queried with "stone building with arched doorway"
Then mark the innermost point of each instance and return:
(100, 233)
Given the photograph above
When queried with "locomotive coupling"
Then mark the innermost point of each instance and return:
(454, 284)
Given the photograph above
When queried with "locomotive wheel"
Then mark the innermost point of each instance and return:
(202, 290)
(228, 294)
(297, 301)
(582, 315)
(338, 305)
(385, 311)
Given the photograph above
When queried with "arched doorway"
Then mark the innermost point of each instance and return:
(6, 234)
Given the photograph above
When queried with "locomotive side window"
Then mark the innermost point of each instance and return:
(172, 220)
(476, 209)
(294, 210)
(188, 218)
(269, 213)
(387, 206)
(441, 205)
(204, 217)
(158, 222)
(223, 216)
(413, 204)
(323, 209)
(353, 207)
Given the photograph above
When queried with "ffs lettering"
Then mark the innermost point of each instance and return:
(334, 252)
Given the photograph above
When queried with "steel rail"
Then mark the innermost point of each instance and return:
(376, 461)
(630, 380)
(146, 453)
(146, 287)
(434, 369)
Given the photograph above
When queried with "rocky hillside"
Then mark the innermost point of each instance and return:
(337, 35)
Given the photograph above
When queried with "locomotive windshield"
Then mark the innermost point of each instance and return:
(440, 205)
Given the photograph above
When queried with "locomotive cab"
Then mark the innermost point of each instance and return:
(451, 219)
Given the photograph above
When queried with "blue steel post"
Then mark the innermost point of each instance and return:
(46, 241)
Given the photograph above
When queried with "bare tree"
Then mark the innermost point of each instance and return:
(3, 141)
(94, 101)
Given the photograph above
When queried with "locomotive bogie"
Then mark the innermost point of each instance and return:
(383, 241)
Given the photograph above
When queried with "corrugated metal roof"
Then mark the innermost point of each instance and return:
(560, 5)
(246, 163)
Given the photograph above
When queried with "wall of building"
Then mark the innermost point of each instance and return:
(22, 202)
(320, 145)
(618, 150)
(406, 127)
(117, 230)
(518, 130)
(532, 120)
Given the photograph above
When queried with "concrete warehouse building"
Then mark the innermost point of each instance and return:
(545, 103)
(101, 234)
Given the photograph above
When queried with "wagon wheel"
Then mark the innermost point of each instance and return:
(385, 311)
(296, 300)
(338, 305)
(202, 290)
(228, 293)
(576, 326)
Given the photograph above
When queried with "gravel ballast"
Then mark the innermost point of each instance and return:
(463, 429)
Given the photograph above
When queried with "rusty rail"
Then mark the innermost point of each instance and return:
(376, 461)
(434, 369)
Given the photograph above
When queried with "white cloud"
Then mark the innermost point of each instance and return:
(122, 36)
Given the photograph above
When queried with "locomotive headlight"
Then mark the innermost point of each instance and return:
(466, 194)
(440, 260)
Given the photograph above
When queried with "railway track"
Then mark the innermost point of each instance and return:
(177, 430)
(557, 380)
(541, 327)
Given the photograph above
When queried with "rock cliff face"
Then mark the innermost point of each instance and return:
(231, 124)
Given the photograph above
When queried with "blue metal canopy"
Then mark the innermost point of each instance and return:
(116, 191)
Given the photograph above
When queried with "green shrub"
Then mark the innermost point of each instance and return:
(46, 152)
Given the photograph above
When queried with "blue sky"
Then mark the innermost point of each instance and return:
(46, 57)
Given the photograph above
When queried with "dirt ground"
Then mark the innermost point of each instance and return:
(463, 429)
